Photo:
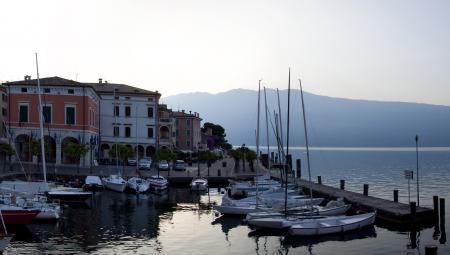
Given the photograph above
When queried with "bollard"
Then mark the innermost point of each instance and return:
(431, 250)
(412, 207)
(436, 208)
(319, 179)
(395, 195)
(342, 184)
(299, 168)
(366, 190)
(218, 172)
(442, 210)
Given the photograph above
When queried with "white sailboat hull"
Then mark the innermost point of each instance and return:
(320, 211)
(119, 187)
(236, 210)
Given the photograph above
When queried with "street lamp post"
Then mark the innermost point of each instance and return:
(417, 168)
(243, 156)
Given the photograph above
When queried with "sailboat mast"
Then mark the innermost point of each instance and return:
(306, 138)
(280, 120)
(257, 141)
(137, 143)
(115, 140)
(41, 125)
(287, 143)
(267, 130)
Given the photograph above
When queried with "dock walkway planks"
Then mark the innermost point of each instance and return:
(386, 210)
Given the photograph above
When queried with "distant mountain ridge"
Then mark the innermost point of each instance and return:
(331, 121)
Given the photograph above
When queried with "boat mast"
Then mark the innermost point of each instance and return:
(267, 131)
(137, 143)
(115, 140)
(306, 139)
(280, 121)
(287, 144)
(257, 141)
(41, 125)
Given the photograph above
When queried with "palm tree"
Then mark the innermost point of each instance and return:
(237, 155)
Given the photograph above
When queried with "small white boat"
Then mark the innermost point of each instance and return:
(114, 182)
(337, 209)
(138, 185)
(158, 182)
(199, 184)
(332, 225)
(93, 183)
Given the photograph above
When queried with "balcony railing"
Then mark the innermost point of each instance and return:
(165, 120)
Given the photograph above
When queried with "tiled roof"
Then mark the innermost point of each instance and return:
(48, 81)
(108, 88)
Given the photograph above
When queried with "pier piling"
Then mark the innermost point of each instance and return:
(299, 168)
(436, 207)
(342, 184)
(366, 190)
(412, 207)
(442, 210)
(431, 250)
(395, 195)
(319, 180)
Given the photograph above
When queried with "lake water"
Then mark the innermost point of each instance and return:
(181, 222)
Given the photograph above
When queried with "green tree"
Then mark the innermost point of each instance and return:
(6, 150)
(208, 156)
(219, 132)
(124, 152)
(165, 154)
(76, 151)
(250, 156)
(33, 147)
(237, 155)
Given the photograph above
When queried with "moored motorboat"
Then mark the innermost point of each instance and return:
(138, 185)
(199, 184)
(332, 225)
(114, 182)
(158, 183)
(93, 183)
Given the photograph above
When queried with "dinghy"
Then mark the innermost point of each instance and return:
(332, 225)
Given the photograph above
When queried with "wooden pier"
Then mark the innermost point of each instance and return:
(388, 211)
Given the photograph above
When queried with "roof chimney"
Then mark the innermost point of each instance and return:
(100, 80)
(182, 111)
(27, 77)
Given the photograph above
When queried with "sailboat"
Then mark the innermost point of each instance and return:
(138, 185)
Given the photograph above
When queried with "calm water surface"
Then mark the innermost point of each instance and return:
(181, 222)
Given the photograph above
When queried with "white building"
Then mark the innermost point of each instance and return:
(128, 116)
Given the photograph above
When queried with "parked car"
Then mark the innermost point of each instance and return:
(163, 165)
(180, 165)
(145, 163)
(132, 161)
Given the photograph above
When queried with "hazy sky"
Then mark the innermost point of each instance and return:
(384, 50)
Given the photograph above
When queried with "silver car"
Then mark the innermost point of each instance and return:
(145, 163)
(163, 165)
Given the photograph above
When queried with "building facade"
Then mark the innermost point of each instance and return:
(187, 130)
(71, 115)
(167, 138)
(128, 116)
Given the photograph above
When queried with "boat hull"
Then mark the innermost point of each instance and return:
(69, 197)
(19, 217)
(333, 226)
(236, 210)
